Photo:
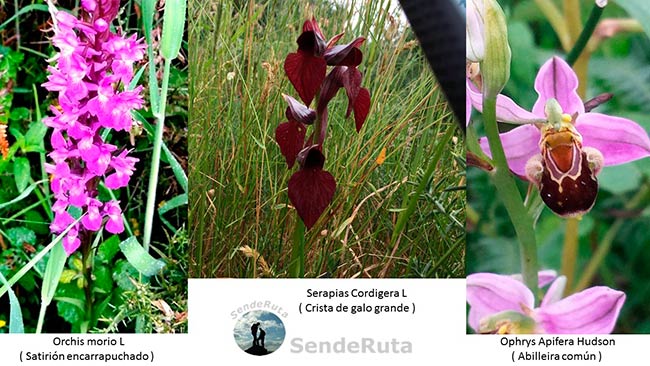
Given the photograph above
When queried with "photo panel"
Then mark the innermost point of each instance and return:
(321, 145)
(558, 179)
(93, 161)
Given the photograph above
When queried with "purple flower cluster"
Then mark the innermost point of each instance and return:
(91, 74)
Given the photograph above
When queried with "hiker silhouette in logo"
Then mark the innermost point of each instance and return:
(254, 332)
(260, 339)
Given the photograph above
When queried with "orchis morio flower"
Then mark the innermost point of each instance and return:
(561, 146)
(91, 73)
(504, 305)
(311, 188)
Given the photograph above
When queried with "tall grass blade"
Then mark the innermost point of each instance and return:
(15, 313)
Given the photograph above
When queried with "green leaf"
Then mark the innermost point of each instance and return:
(639, 10)
(70, 303)
(108, 249)
(610, 178)
(35, 135)
(136, 78)
(148, 10)
(179, 173)
(20, 197)
(53, 271)
(20, 235)
(173, 203)
(15, 313)
(103, 282)
(24, 10)
(18, 114)
(123, 272)
(28, 281)
(35, 221)
(22, 173)
(139, 258)
(173, 26)
(24, 269)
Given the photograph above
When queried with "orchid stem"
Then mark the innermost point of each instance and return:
(297, 263)
(570, 253)
(155, 159)
(579, 60)
(511, 198)
(585, 35)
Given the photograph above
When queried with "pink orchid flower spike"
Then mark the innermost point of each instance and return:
(559, 146)
(503, 304)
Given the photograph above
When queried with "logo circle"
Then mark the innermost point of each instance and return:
(259, 332)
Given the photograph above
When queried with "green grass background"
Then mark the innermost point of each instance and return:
(238, 195)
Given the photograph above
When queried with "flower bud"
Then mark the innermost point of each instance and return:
(495, 66)
(475, 31)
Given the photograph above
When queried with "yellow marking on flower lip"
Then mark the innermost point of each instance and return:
(562, 148)
(566, 118)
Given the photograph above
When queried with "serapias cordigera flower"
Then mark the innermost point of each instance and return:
(90, 74)
(504, 305)
(311, 188)
(561, 147)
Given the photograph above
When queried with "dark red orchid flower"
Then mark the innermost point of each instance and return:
(311, 189)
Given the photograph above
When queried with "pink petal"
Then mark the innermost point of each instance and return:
(290, 136)
(556, 79)
(306, 73)
(115, 225)
(93, 219)
(468, 108)
(519, 144)
(620, 140)
(71, 241)
(475, 31)
(592, 311)
(546, 276)
(555, 291)
(489, 293)
(507, 109)
(117, 180)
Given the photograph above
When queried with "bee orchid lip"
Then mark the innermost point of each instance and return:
(620, 140)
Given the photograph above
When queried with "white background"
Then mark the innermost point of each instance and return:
(439, 317)
(436, 330)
